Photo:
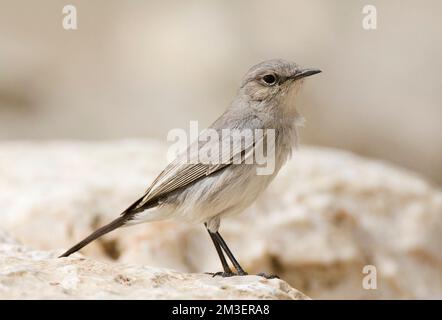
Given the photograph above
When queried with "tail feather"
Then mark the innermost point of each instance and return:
(125, 216)
(96, 234)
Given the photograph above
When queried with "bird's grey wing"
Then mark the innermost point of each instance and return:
(188, 168)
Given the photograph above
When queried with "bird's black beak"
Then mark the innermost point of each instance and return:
(305, 73)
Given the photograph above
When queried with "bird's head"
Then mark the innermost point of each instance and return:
(273, 79)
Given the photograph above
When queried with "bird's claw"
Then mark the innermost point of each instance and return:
(268, 276)
(231, 274)
(222, 274)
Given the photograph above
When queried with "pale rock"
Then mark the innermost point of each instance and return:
(30, 274)
(327, 215)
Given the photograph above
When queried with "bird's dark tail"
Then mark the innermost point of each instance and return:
(96, 234)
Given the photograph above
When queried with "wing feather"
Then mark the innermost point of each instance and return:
(186, 168)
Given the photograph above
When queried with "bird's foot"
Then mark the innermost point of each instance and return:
(268, 276)
(222, 274)
(226, 274)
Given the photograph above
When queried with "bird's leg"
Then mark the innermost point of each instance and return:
(227, 271)
(219, 243)
(226, 249)
(239, 269)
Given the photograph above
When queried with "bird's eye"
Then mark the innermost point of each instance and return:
(269, 79)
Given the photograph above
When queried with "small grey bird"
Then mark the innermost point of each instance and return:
(198, 192)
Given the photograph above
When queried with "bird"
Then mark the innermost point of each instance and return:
(193, 191)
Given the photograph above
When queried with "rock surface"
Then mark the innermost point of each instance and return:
(30, 274)
(326, 216)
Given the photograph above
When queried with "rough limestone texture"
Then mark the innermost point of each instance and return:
(327, 215)
(31, 274)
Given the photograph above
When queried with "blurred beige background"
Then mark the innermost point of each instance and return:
(140, 68)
